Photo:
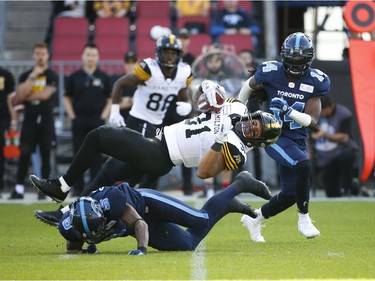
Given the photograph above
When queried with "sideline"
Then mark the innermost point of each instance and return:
(32, 198)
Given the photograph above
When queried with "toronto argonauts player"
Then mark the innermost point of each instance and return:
(292, 91)
(152, 217)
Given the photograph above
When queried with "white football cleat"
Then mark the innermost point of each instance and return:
(306, 227)
(254, 226)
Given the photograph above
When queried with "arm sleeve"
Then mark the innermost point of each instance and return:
(234, 159)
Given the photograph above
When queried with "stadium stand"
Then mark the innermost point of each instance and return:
(112, 35)
(238, 41)
(144, 43)
(197, 42)
(190, 22)
(70, 35)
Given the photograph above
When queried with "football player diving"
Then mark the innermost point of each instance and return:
(213, 141)
(292, 91)
(152, 217)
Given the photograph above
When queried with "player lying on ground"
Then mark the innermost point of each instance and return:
(152, 217)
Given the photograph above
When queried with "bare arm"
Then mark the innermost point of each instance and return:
(211, 164)
(183, 95)
(24, 89)
(133, 220)
(313, 108)
(68, 104)
(336, 137)
(248, 88)
(128, 80)
(13, 113)
(45, 94)
(107, 109)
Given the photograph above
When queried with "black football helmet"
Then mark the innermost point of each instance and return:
(271, 129)
(297, 53)
(87, 219)
(168, 42)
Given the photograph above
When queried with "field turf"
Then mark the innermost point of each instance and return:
(31, 250)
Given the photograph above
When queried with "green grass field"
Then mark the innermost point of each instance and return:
(31, 250)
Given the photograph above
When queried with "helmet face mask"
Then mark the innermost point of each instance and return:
(297, 53)
(87, 219)
(163, 54)
(270, 129)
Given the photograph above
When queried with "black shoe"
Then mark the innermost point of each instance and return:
(15, 195)
(236, 206)
(51, 218)
(245, 182)
(49, 187)
(41, 196)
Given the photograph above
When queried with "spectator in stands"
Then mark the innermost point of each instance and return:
(335, 152)
(247, 57)
(130, 61)
(184, 36)
(107, 9)
(198, 8)
(6, 88)
(232, 19)
(73, 8)
(37, 91)
(87, 102)
(193, 8)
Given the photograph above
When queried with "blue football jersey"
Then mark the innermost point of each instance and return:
(113, 200)
(312, 83)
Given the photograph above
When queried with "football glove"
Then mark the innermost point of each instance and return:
(183, 108)
(136, 253)
(280, 105)
(225, 127)
(115, 118)
(210, 89)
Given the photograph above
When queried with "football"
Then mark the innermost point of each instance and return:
(205, 107)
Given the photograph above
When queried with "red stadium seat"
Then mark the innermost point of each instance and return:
(197, 42)
(145, 47)
(112, 47)
(144, 25)
(112, 26)
(154, 8)
(68, 48)
(71, 26)
(184, 22)
(237, 41)
(69, 37)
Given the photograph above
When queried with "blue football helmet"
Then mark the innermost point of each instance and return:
(271, 129)
(164, 43)
(297, 53)
(87, 219)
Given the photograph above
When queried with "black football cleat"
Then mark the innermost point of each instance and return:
(49, 187)
(15, 195)
(236, 206)
(245, 182)
(51, 218)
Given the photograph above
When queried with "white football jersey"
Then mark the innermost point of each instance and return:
(151, 100)
(189, 140)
